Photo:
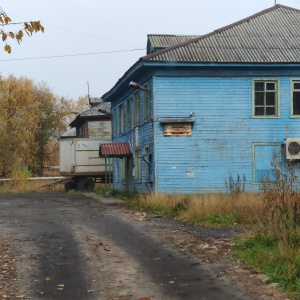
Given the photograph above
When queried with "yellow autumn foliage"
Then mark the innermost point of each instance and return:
(30, 117)
(6, 30)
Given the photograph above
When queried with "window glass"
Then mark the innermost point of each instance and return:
(121, 118)
(296, 98)
(114, 117)
(136, 103)
(128, 113)
(147, 164)
(137, 165)
(146, 105)
(265, 98)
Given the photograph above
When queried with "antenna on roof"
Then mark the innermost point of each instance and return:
(275, 2)
(88, 92)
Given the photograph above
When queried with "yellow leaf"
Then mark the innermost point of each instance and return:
(7, 19)
(4, 36)
(7, 48)
(12, 35)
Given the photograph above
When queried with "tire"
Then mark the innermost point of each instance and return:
(69, 185)
(85, 185)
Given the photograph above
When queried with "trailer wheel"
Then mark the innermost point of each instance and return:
(69, 185)
(85, 185)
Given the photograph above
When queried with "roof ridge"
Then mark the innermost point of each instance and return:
(216, 31)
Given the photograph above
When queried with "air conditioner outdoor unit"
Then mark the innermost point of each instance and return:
(293, 148)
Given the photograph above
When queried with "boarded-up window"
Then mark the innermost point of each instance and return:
(178, 129)
(264, 158)
(99, 129)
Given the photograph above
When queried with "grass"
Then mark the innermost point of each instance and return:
(266, 249)
(206, 209)
(262, 252)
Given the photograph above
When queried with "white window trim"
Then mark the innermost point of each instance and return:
(292, 116)
(137, 166)
(121, 118)
(276, 80)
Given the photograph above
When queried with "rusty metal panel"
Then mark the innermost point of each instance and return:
(179, 129)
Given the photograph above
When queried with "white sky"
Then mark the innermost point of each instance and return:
(95, 26)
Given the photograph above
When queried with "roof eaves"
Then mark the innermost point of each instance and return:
(123, 79)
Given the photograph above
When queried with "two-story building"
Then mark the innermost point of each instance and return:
(220, 105)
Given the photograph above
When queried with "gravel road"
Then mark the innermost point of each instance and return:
(65, 246)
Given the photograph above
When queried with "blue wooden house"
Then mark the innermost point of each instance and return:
(196, 112)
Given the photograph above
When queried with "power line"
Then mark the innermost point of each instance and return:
(71, 55)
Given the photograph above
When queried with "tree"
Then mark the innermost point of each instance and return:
(7, 32)
(31, 120)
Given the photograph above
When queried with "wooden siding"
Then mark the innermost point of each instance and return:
(223, 133)
(139, 137)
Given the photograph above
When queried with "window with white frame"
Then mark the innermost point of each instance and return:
(146, 105)
(121, 118)
(128, 114)
(295, 98)
(147, 163)
(136, 109)
(114, 117)
(265, 98)
(137, 165)
(123, 169)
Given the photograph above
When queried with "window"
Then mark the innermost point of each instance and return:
(146, 106)
(123, 169)
(121, 118)
(296, 98)
(147, 163)
(98, 129)
(265, 157)
(114, 116)
(178, 129)
(81, 132)
(136, 112)
(137, 165)
(265, 98)
(128, 114)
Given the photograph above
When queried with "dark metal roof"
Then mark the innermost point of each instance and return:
(115, 150)
(271, 36)
(156, 42)
(101, 110)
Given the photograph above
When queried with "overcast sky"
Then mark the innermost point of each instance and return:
(96, 41)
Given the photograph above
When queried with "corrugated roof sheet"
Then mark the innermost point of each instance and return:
(114, 150)
(271, 36)
(157, 42)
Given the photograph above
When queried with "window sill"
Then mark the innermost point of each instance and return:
(265, 117)
(294, 117)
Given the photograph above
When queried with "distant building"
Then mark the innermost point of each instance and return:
(223, 104)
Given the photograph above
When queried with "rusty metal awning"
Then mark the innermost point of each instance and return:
(115, 150)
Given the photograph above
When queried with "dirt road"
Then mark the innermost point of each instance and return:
(63, 246)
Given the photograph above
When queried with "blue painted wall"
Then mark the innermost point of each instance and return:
(226, 139)
(225, 134)
(139, 137)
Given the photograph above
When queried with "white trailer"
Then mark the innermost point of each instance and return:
(79, 160)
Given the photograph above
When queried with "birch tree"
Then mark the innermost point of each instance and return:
(10, 30)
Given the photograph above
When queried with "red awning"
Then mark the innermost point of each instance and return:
(115, 150)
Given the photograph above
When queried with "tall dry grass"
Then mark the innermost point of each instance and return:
(238, 208)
